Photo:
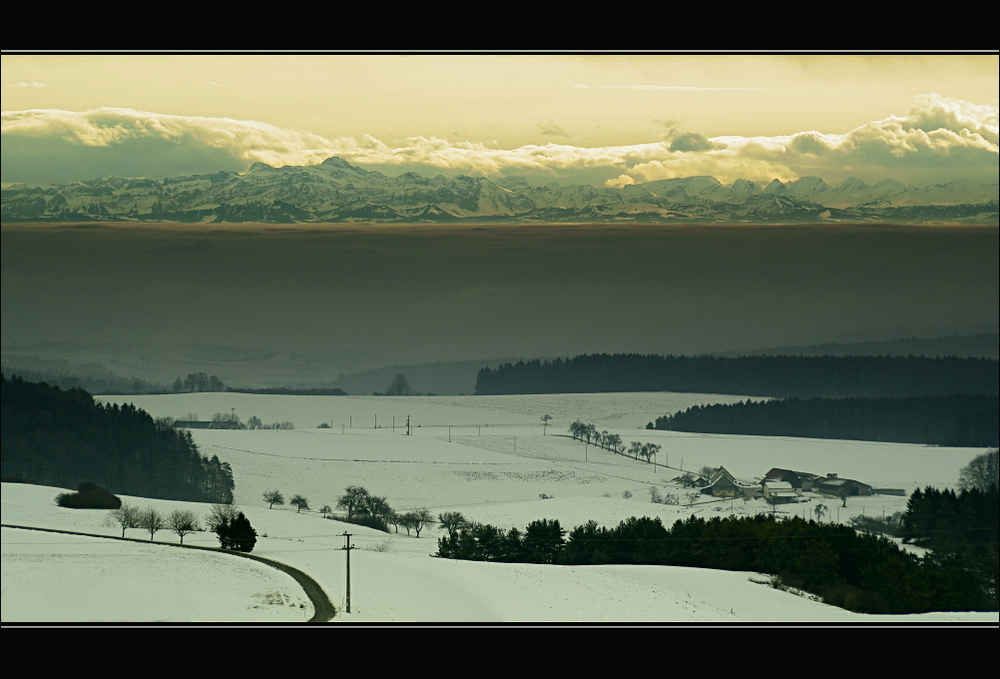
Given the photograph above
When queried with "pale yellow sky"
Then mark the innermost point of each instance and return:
(505, 97)
(504, 102)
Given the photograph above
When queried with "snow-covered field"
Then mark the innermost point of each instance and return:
(488, 457)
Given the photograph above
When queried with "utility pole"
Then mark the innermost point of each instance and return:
(348, 549)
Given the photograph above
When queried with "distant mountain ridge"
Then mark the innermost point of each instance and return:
(336, 191)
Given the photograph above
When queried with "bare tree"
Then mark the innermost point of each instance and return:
(982, 472)
(452, 522)
(182, 522)
(821, 511)
(150, 519)
(326, 510)
(273, 497)
(377, 507)
(125, 516)
(299, 503)
(614, 443)
(353, 500)
(220, 515)
(416, 520)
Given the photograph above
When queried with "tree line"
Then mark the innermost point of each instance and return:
(957, 420)
(55, 437)
(229, 524)
(196, 382)
(362, 508)
(776, 376)
(613, 442)
(858, 571)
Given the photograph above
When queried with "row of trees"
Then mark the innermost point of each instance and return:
(778, 376)
(196, 382)
(373, 510)
(861, 572)
(363, 508)
(180, 521)
(957, 420)
(231, 421)
(275, 497)
(228, 523)
(540, 542)
(612, 442)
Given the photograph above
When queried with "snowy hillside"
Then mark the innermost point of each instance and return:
(487, 457)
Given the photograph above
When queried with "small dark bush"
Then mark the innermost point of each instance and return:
(236, 534)
(89, 496)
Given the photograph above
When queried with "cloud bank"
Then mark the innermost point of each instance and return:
(939, 140)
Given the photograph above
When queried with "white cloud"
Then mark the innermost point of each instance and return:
(35, 85)
(939, 135)
(246, 140)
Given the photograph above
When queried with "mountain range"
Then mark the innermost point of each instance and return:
(336, 191)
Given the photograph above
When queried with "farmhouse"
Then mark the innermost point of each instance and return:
(723, 484)
(833, 485)
(780, 492)
(803, 481)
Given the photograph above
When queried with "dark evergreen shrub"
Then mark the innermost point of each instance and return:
(236, 534)
(89, 496)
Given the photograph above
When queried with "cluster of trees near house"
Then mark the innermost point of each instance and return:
(776, 376)
(957, 420)
(860, 571)
(857, 571)
(225, 421)
(55, 437)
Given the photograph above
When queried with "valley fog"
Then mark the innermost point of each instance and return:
(374, 294)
